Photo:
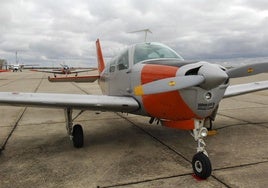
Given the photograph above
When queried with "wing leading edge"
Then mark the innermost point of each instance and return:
(74, 101)
(74, 79)
(240, 89)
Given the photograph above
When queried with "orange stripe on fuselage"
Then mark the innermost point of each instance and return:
(169, 105)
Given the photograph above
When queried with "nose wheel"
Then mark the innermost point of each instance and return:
(201, 165)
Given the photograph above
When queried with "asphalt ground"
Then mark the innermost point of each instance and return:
(123, 150)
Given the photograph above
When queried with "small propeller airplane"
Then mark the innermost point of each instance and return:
(16, 67)
(151, 79)
(64, 70)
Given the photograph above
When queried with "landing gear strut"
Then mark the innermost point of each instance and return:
(200, 162)
(75, 132)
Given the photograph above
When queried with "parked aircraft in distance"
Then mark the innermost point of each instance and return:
(16, 67)
(150, 79)
(65, 70)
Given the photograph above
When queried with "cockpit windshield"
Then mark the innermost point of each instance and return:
(147, 51)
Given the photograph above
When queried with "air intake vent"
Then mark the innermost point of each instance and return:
(192, 71)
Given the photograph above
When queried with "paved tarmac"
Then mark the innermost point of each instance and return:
(124, 150)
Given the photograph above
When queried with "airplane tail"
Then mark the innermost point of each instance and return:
(101, 64)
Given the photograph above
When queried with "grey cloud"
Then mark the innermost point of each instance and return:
(52, 30)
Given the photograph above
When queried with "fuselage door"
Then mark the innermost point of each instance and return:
(120, 75)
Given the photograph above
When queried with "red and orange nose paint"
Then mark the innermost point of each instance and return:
(169, 105)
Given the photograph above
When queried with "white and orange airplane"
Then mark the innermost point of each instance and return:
(65, 70)
(150, 79)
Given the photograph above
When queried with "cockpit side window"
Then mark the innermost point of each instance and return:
(123, 62)
(112, 65)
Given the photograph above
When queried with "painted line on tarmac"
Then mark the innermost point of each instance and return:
(3, 146)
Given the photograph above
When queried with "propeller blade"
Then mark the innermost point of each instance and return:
(247, 70)
(168, 84)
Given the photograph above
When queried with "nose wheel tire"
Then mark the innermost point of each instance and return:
(78, 136)
(201, 165)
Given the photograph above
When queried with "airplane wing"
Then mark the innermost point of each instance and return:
(74, 101)
(61, 72)
(78, 71)
(49, 71)
(240, 89)
(74, 79)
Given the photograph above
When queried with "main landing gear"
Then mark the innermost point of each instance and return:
(200, 162)
(75, 132)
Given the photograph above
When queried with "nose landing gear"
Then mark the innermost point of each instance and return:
(200, 162)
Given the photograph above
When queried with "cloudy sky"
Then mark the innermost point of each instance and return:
(50, 32)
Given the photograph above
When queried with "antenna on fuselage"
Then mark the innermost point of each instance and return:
(145, 33)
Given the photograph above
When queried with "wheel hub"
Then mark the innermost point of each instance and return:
(198, 166)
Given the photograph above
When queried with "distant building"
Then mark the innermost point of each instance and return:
(3, 64)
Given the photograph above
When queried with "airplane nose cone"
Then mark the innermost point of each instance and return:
(213, 74)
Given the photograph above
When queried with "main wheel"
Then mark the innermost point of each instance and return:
(201, 165)
(78, 136)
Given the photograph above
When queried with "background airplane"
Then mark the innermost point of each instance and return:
(150, 79)
(18, 66)
(65, 70)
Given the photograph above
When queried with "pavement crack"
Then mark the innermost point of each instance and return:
(19, 118)
(23, 77)
(12, 130)
(146, 180)
(155, 138)
(232, 167)
(38, 85)
(78, 87)
(233, 118)
(222, 182)
(242, 165)
(243, 124)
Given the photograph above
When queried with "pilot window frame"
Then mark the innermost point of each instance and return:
(112, 65)
(124, 58)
